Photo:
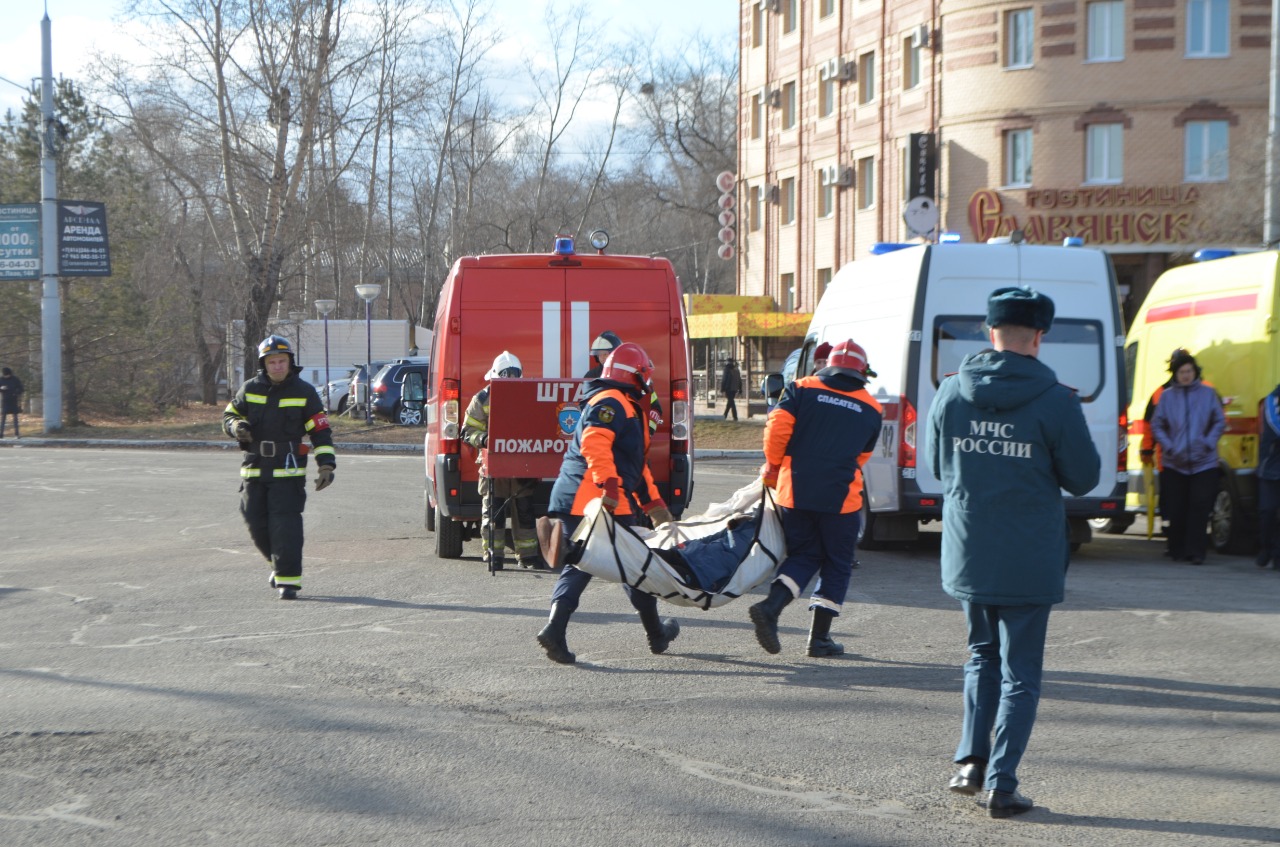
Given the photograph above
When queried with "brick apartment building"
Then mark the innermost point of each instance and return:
(1132, 124)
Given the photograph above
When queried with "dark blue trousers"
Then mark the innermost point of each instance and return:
(824, 544)
(273, 512)
(1002, 686)
(1269, 521)
(573, 582)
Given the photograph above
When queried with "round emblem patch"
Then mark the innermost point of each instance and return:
(605, 415)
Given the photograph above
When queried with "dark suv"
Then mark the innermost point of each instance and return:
(388, 391)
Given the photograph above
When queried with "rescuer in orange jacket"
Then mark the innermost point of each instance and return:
(815, 443)
(607, 460)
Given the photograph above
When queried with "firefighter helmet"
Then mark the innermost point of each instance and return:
(605, 343)
(847, 357)
(274, 344)
(628, 363)
(506, 365)
(821, 353)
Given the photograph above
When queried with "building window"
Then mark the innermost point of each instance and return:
(1206, 158)
(866, 78)
(757, 25)
(1207, 28)
(826, 192)
(826, 8)
(757, 207)
(911, 52)
(788, 201)
(1019, 38)
(866, 182)
(1104, 153)
(1106, 32)
(826, 97)
(821, 282)
(1017, 158)
(757, 116)
(789, 105)
(790, 16)
(788, 284)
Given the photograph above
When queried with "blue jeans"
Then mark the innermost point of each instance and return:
(573, 582)
(1002, 686)
(824, 544)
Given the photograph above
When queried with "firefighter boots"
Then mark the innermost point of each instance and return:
(552, 636)
(765, 616)
(820, 643)
(661, 631)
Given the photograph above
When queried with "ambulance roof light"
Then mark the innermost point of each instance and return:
(599, 239)
(1208, 255)
(1073, 241)
(882, 247)
(949, 237)
(564, 245)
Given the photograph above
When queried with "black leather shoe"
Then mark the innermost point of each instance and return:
(968, 780)
(288, 592)
(1006, 804)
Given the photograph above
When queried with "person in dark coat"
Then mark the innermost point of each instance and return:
(10, 400)
(1269, 482)
(1004, 437)
(730, 387)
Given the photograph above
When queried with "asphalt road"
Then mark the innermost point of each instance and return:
(154, 692)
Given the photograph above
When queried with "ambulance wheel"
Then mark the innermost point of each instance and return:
(1228, 525)
(428, 513)
(1112, 526)
(408, 416)
(449, 539)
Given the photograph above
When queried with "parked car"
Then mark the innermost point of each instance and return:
(388, 391)
(355, 387)
(336, 393)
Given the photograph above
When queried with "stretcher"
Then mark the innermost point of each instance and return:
(703, 561)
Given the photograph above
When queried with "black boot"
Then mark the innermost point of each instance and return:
(661, 631)
(552, 635)
(820, 643)
(765, 616)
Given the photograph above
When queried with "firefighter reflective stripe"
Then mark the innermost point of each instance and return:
(282, 473)
(324, 451)
(255, 398)
(250, 473)
(286, 402)
(232, 410)
(294, 581)
(475, 424)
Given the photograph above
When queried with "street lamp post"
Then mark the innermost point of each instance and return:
(325, 307)
(368, 293)
(296, 317)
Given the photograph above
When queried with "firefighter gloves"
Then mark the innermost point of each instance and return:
(769, 475)
(324, 477)
(243, 433)
(658, 512)
(609, 497)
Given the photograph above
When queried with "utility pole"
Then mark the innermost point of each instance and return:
(1271, 211)
(51, 302)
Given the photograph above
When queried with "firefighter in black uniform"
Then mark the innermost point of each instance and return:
(269, 416)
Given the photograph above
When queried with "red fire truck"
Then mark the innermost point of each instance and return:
(547, 309)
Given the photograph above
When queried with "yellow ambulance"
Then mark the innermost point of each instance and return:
(1223, 310)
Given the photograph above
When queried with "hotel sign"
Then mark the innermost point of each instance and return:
(1114, 214)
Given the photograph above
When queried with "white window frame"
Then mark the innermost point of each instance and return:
(826, 8)
(867, 78)
(866, 183)
(1206, 158)
(1019, 153)
(1104, 154)
(1020, 38)
(788, 201)
(789, 111)
(1105, 39)
(790, 16)
(911, 61)
(757, 207)
(1203, 30)
(826, 196)
(757, 116)
(826, 97)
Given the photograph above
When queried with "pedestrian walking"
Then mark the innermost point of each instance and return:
(270, 416)
(816, 441)
(606, 460)
(730, 386)
(503, 495)
(10, 400)
(1005, 437)
(1187, 424)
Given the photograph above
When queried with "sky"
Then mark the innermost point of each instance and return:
(81, 27)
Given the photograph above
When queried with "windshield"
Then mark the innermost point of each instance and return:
(1073, 348)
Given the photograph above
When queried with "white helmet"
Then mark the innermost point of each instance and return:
(506, 361)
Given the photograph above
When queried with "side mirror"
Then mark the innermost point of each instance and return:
(771, 387)
(413, 391)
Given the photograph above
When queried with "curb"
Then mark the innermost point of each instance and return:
(344, 447)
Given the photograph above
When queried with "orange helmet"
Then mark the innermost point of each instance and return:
(628, 363)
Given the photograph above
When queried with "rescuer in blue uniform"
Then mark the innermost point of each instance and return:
(270, 415)
(607, 460)
(815, 443)
(1005, 437)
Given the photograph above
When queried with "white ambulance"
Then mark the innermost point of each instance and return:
(919, 310)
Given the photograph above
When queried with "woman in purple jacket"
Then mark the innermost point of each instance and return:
(1188, 423)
